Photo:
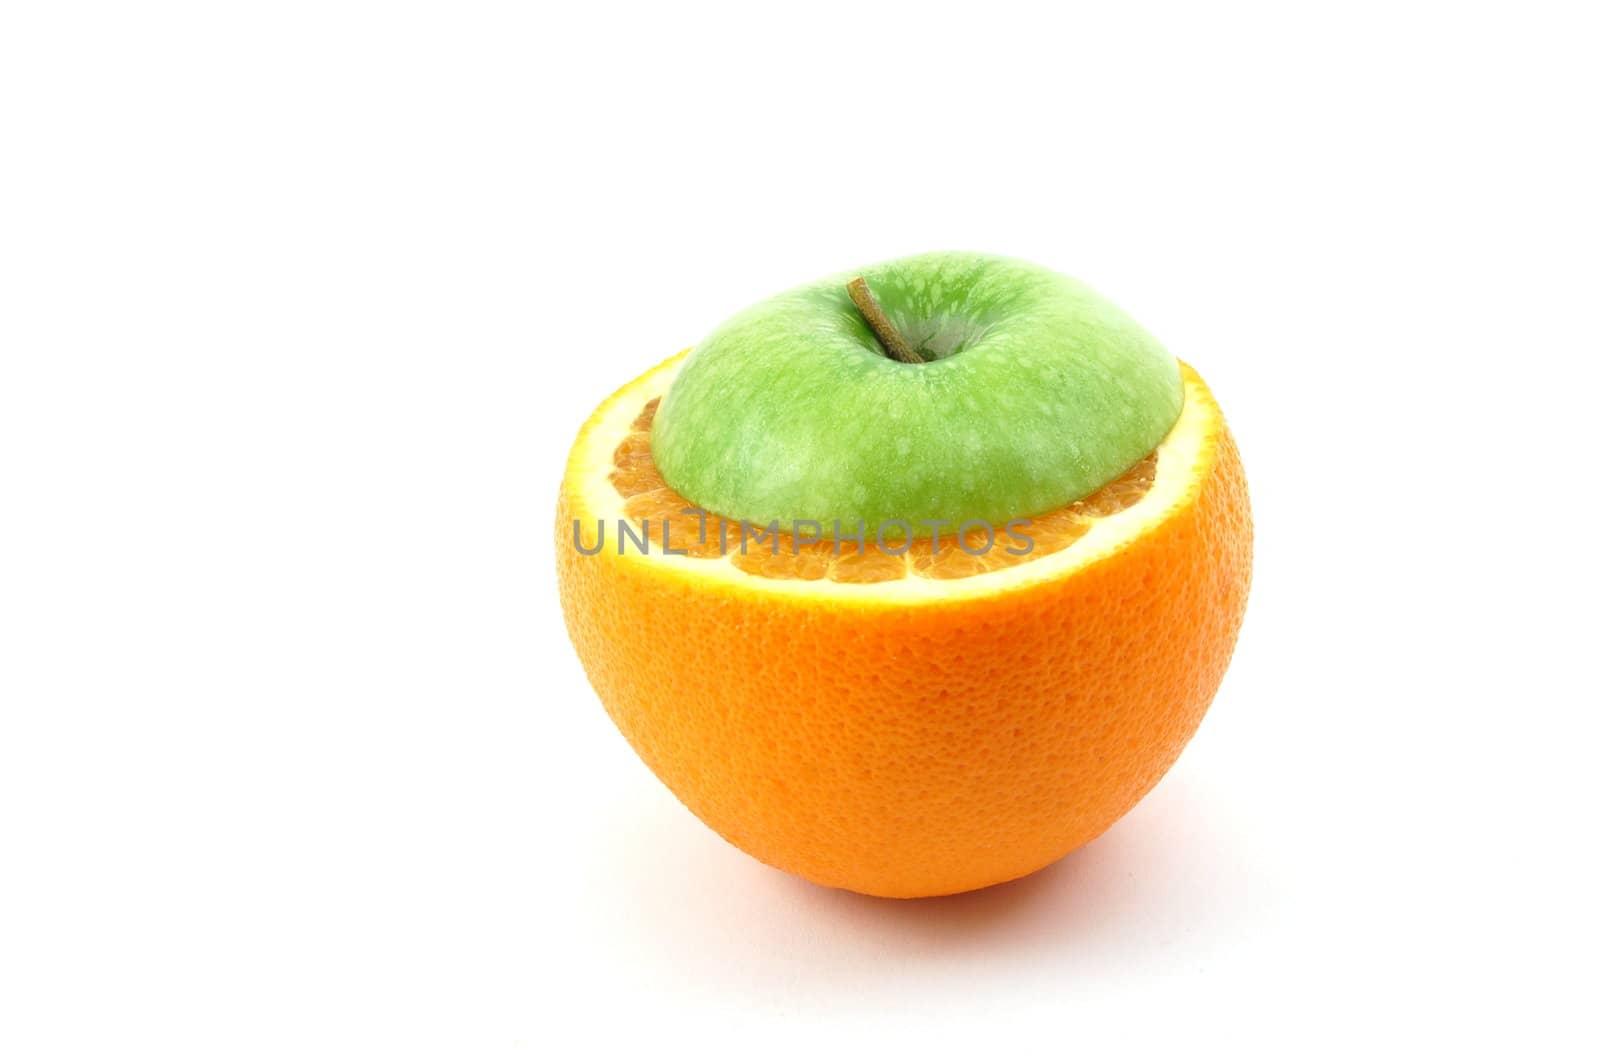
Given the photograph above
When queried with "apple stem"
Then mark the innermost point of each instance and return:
(878, 321)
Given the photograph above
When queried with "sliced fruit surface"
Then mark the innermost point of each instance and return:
(615, 481)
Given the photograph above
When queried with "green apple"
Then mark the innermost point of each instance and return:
(1031, 392)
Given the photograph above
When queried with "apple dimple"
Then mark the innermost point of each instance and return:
(1023, 391)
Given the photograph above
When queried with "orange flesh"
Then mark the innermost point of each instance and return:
(657, 511)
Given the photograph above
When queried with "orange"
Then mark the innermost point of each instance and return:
(916, 723)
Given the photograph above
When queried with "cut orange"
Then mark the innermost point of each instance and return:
(895, 719)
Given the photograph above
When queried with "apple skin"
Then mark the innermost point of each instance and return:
(1038, 393)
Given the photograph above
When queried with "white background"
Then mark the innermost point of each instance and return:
(302, 304)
